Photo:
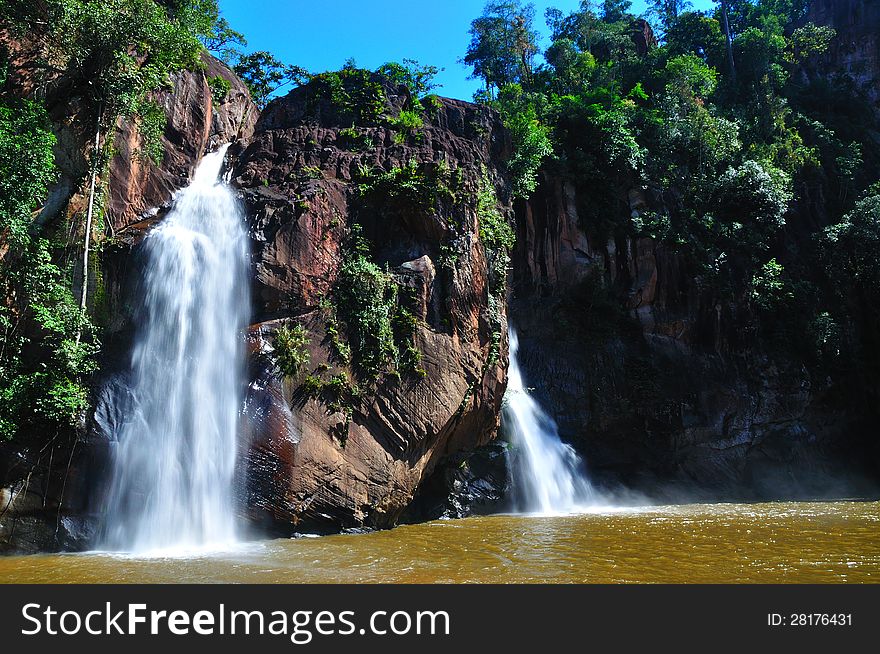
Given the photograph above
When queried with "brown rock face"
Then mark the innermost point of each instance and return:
(196, 124)
(358, 461)
(643, 36)
(856, 50)
(669, 392)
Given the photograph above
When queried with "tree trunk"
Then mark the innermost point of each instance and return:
(727, 39)
(88, 235)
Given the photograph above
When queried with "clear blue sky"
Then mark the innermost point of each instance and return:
(320, 36)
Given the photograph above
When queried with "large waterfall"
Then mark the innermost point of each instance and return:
(175, 457)
(548, 476)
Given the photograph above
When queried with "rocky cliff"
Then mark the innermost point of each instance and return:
(197, 123)
(662, 385)
(856, 51)
(377, 353)
(340, 199)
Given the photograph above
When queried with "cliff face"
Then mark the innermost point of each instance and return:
(663, 384)
(672, 394)
(137, 185)
(856, 51)
(197, 123)
(336, 458)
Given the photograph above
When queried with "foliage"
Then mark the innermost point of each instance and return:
(498, 239)
(355, 139)
(530, 139)
(407, 121)
(666, 12)
(769, 287)
(291, 349)
(851, 248)
(496, 233)
(503, 44)
(417, 78)
(808, 41)
(404, 324)
(123, 48)
(223, 40)
(615, 10)
(365, 298)
(43, 364)
(220, 87)
(751, 201)
(725, 142)
(411, 186)
(151, 126)
(264, 74)
(356, 93)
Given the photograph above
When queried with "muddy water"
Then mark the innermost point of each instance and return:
(727, 543)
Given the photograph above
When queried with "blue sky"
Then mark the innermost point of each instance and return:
(320, 36)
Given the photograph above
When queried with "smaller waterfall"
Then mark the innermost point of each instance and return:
(548, 475)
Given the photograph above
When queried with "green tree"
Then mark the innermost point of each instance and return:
(851, 248)
(503, 44)
(697, 34)
(417, 78)
(573, 69)
(264, 75)
(666, 12)
(530, 138)
(750, 202)
(615, 10)
(44, 358)
(224, 40)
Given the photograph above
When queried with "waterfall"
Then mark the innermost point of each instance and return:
(175, 456)
(548, 476)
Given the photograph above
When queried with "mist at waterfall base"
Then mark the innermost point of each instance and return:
(547, 476)
(174, 459)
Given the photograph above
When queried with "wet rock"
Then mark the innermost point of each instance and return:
(359, 462)
(467, 484)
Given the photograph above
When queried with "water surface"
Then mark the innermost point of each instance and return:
(777, 542)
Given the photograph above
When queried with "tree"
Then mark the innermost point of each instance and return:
(224, 40)
(417, 78)
(615, 10)
(530, 138)
(851, 247)
(725, 21)
(698, 34)
(41, 378)
(572, 68)
(264, 74)
(503, 44)
(751, 202)
(667, 11)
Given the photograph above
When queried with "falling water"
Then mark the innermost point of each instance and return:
(548, 475)
(174, 462)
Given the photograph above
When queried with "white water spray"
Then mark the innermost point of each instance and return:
(174, 462)
(548, 475)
